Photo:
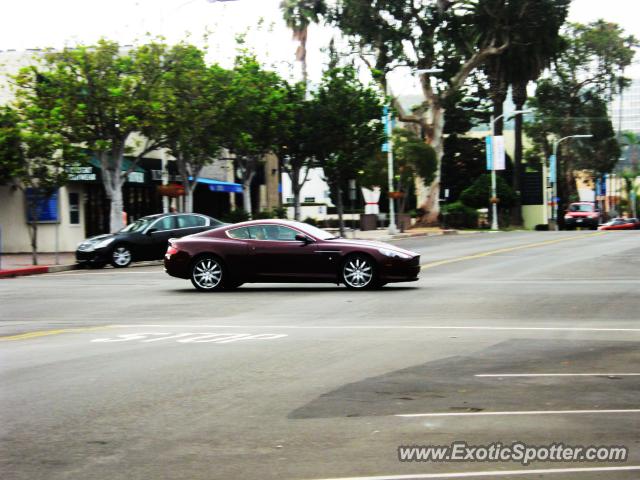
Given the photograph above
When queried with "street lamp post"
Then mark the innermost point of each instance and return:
(393, 229)
(494, 192)
(554, 180)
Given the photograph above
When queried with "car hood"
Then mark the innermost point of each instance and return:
(99, 238)
(372, 244)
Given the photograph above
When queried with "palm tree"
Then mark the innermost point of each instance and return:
(298, 15)
(531, 51)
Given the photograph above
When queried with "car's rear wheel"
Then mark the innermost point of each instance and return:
(121, 256)
(207, 274)
(359, 273)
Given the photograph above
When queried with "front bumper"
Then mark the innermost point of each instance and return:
(101, 255)
(400, 270)
(577, 222)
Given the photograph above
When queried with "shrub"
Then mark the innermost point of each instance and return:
(478, 195)
(235, 216)
(458, 215)
(311, 221)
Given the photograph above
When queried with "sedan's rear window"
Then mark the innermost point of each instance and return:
(581, 207)
(241, 233)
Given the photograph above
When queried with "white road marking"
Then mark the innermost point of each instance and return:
(525, 412)
(388, 327)
(190, 337)
(484, 375)
(494, 473)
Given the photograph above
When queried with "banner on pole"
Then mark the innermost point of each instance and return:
(553, 168)
(489, 148)
(498, 152)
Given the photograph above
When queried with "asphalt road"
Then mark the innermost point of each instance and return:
(134, 375)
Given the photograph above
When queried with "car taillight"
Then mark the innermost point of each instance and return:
(172, 250)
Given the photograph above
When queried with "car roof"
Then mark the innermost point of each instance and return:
(278, 221)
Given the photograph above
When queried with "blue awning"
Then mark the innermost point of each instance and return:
(220, 186)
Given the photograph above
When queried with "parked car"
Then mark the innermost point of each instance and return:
(285, 251)
(621, 224)
(144, 239)
(582, 215)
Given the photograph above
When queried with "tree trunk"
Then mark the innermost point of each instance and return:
(188, 197)
(340, 208)
(116, 221)
(429, 198)
(247, 178)
(296, 187)
(112, 180)
(519, 94)
(33, 228)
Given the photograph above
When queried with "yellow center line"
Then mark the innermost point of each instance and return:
(44, 333)
(424, 266)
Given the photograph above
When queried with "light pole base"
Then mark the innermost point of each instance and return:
(393, 229)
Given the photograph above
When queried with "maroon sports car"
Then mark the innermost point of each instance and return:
(285, 251)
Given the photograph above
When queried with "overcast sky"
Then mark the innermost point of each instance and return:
(56, 23)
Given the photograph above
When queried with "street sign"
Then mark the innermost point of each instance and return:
(489, 149)
(498, 152)
(495, 152)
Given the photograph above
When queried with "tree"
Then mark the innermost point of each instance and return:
(425, 35)
(102, 96)
(298, 143)
(347, 115)
(531, 51)
(414, 161)
(298, 15)
(260, 104)
(478, 195)
(573, 100)
(193, 119)
(33, 157)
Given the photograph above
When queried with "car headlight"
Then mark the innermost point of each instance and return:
(86, 247)
(393, 254)
(103, 243)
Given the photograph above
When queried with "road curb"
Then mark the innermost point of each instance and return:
(35, 270)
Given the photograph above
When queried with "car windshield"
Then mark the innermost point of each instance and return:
(315, 231)
(137, 226)
(581, 207)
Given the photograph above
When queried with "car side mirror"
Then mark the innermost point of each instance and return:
(151, 230)
(303, 238)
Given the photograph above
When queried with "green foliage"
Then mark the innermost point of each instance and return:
(97, 96)
(573, 100)
(478, 195)
(311, 221)
(236, 215)
(463, 162)
(458, 215)
(275, 212)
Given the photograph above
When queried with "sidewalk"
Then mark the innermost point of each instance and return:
(382, 234)
(13, 264)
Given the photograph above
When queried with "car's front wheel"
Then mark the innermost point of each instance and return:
(358, 272)
(121, 256)
(207, 274)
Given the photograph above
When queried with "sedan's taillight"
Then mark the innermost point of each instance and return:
(171, 250)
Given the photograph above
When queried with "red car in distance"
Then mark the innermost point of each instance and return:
(582, 215)
(621, 224)
(285, 251)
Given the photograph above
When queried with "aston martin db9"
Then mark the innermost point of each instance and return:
(285, 251)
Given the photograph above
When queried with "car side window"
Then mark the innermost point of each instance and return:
(274, 233)
(190, 221)
(165, 223)
(239, 233)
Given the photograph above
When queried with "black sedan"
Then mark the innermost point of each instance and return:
(144, 239)
(285, 251)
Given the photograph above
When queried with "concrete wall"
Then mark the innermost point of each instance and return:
(15, 233)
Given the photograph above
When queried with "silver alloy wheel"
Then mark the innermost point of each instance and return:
(357, 272)
(207, 273)
(121, 256)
